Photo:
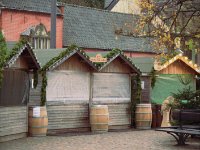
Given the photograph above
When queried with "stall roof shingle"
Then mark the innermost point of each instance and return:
(145, 64)
(45, 55)
(28, 5)
(95, 28)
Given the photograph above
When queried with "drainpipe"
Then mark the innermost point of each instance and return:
(53, 24)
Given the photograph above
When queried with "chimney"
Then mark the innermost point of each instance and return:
(53, 24)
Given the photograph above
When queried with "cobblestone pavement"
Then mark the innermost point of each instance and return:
(127, 140)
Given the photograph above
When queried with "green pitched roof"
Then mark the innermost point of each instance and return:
(93, 54)
(19, 50)
(45, 55)
(111, 56)
(145, 64)
(95, 28)
(50, 58)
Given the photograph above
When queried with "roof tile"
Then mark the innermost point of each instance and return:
(29, 5)
(94, 28)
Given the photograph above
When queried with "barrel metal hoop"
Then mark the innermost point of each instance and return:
(39, 117)
(38, 126)
(99, 114)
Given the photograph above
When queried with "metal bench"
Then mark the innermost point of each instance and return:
(180, 134)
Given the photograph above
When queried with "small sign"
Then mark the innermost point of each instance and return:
(142, 85)
(36, 112)
(98, 58)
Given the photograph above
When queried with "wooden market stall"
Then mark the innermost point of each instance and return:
(75, 83)
(111, 86)
(169, 76)
(175, 74)
(14, 93)
(68, 88)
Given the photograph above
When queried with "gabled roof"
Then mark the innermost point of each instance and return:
(185, 60)
(45, 55)
(144, 63)
(28, 5)
(111, 56)
(51, 58)
(125, 59)
(28, 31)
(95, 28)
(31, 59)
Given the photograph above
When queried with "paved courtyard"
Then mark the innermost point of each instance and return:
(126, 140)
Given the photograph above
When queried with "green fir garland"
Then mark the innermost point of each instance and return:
(16, 48)
(135, 95)
(35, 79)
(3, 54)
(67, 52)
(153, 77)
(113, 53)
(43, 89)
(110, 55)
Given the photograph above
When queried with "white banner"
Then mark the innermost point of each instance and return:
(68, 85)
(111, 86)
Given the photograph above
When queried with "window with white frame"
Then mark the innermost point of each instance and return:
(41, 39)
(37, 36)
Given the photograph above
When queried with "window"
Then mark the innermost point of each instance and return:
(37, 36)
(41, 39)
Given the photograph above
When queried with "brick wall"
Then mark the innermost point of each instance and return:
(14, 22)
(139, 54)
(129, 54)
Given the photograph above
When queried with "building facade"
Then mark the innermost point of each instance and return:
(30, 19)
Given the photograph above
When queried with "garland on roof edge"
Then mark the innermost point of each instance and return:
(16, 48)
(112, 54)
(135, 95)
(153, 77)
(35, 79)
(3, 54)
(6, 57)
(66, 52)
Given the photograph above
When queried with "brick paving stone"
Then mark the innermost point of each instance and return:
(126, 140)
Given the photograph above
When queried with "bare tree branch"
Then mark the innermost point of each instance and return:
(187, 22)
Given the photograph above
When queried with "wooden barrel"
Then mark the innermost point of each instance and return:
(158, 116)
(99, 118)
(37, 121)
(154, 117)
(143, 116)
